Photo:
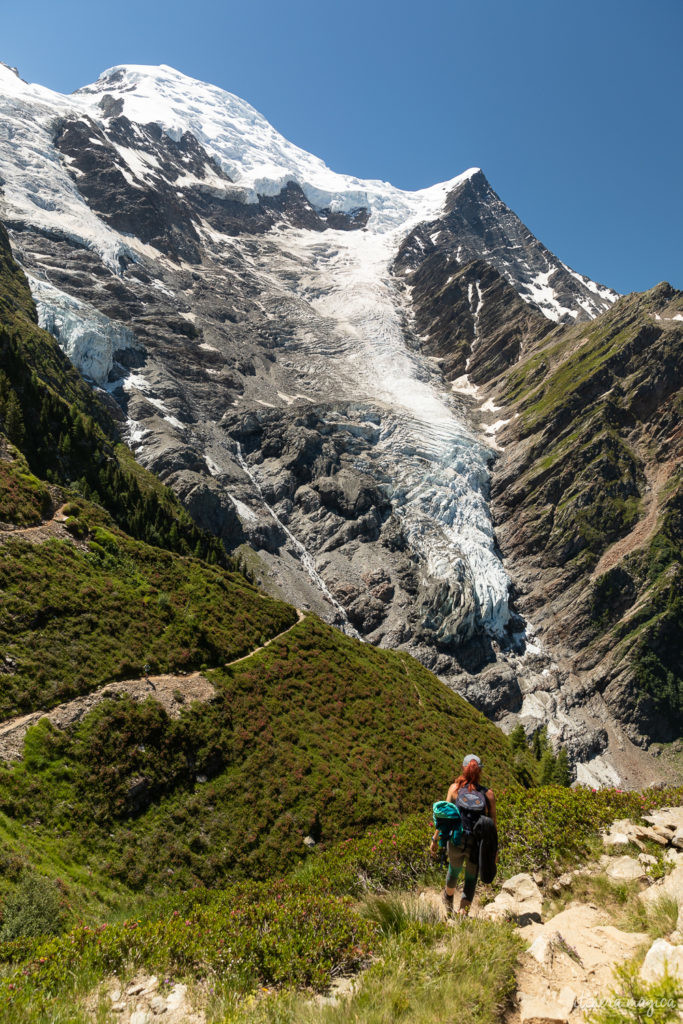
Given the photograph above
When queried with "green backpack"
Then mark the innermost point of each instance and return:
(446, 817)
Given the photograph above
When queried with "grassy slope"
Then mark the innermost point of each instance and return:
(316, 724)
(72, 620)
(306, 928)
(598, 404)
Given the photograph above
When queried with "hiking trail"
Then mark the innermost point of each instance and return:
(173, 692)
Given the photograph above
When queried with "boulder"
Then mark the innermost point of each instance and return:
(646, 859)
(521, 887)
(621, 825)
(653, 834)
(660, 958)
(626, 869)
(665, 831)
(671, 885)
(177, 997)
(677, 839)
(616, 839)
(668, 817)
(551, 1008)
(520, 899)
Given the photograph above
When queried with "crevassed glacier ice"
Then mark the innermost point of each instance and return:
(439, 469)
(88, 338)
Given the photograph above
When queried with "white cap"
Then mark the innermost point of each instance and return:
(470, 757)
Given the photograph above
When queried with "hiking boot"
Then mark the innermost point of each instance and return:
(447, 902)
(464, 908)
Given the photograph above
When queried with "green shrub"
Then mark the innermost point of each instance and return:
(33, 908)
(632, 1001)
(246, 934)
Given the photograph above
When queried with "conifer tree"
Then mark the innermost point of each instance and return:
(547, 768)
(561, 773)
(517, 738)
(14, 421)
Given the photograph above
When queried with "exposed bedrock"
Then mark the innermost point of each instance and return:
(336, 491)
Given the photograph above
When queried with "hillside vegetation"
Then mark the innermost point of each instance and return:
(246, 948)
(68, 437)
(590, 489)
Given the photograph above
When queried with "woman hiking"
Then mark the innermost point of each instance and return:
(479, 840)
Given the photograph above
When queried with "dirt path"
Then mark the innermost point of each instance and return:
(48, 529)
(571, 956)
(300, 618)
(173, 692)
(645, 526)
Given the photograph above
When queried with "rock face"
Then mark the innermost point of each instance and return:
(569, 964)
(587, 500)
(297, 353)
(626, 869)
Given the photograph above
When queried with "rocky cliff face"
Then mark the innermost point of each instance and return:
(297, 353)
(587, 499)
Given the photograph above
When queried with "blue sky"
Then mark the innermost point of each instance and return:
(573, 110)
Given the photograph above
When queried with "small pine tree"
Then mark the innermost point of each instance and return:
(561, 773)
(540, 744)
(14, 421)
(547, 768)
(517, 738)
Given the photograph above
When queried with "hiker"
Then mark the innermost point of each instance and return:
(475, 847)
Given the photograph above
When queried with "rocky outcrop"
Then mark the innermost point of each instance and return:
(520, 900)
(147, 998)
(476, 223)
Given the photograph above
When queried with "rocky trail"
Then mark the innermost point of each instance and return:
(568, 966)
(173, 692)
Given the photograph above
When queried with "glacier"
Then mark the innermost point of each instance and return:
(89, 338)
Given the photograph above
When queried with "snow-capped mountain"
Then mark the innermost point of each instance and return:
(271, 334)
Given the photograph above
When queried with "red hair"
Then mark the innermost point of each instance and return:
(469, 776)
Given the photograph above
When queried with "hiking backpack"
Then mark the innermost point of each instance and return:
(471, 804)
(446, 817)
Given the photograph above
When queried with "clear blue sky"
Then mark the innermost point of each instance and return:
(573, 110)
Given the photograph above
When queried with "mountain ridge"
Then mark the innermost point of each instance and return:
(299, 368)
